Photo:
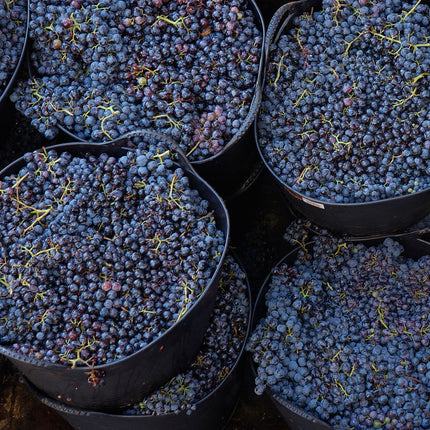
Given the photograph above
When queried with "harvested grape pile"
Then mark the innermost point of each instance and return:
(188, 68)
(345, 115)
(346, 334)
(218, 354)
(100, 255)
(13, 23)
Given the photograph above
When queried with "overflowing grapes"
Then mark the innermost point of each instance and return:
(345, 115)
(13, 24)
(218, 355)
(100, 255)
(346, 334)
(102, 69)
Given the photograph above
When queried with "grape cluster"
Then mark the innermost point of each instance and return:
(100, 255)
(345, 115)
(346, 333)
(13, 24)
(218, 354)
(187, 68)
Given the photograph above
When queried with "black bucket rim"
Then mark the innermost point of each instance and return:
(75, 411)
(253, 108)
(189, 170)
(12, 78)
(278, 24)
(317, 203)
(285, 406)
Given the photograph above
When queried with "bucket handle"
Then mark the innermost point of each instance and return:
(281, 19)
(420, 234)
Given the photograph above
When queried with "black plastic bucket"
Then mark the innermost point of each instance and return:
(235, 168)
(238, 164)
(415, 246)
(12, 79)
(129, 379)
(210, 413)
(5, 104)
(358, 219)
(296, 418)
(3, 364)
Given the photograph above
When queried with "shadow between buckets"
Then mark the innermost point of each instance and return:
(296, 417)
(211, 413)
(238, 164)
(129, 379)
(357, 219)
